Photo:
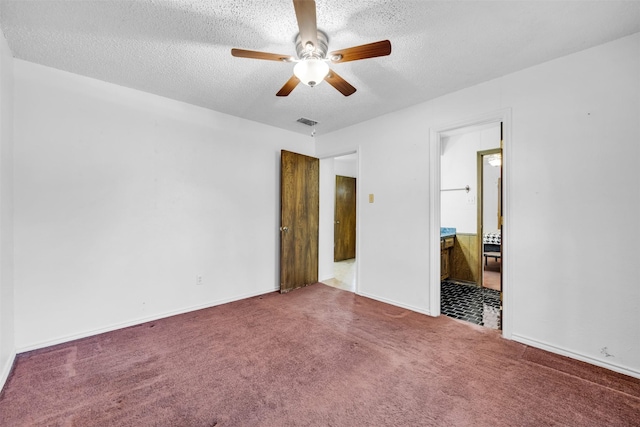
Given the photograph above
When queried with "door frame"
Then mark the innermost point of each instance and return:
(435, 144)
(333, 155)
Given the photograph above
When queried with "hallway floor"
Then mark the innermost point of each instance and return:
(344, 276)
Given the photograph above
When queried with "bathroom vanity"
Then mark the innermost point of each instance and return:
(447, 241)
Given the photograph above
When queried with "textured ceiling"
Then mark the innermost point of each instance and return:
(181, 48)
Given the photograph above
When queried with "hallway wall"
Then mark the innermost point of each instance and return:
(327, 217)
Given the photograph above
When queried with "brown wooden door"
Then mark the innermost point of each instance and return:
(299, 219)
(345, 219)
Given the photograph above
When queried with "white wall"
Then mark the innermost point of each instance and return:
(122, 198)
(7, 339)
(327, 217)
(573, 200)
(458, 169)
(392, 231)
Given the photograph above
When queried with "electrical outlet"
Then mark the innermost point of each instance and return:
(199, 280)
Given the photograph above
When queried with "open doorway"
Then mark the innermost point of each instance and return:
(338, 216)
(436, 136)
(463, 294)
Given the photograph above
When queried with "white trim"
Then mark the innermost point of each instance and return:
(358, 219)
(435, 137)
(507, 255)
(139, 321)
(573, 355)
(338, 154)
(6, 369)
(394, 303)
(434, 225)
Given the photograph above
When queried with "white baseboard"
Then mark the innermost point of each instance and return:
(396, 303)
(528, 341)
(6, 369)
(138, 321)
(568, 353)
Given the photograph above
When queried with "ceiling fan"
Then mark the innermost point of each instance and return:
(311, 47)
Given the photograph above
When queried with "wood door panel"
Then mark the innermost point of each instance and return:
(299, 219)
(345, 219)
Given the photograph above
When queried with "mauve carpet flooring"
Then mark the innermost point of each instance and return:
(316, 356)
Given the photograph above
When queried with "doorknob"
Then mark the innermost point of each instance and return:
(337, 222)
(285, 229)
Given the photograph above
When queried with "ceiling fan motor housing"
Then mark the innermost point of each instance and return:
(318, 52)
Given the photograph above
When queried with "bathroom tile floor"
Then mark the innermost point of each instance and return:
(470, 303)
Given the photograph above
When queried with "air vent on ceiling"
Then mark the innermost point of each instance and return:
(307, 122)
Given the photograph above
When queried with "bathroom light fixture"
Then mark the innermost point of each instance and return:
(311, 71)
(494, 159)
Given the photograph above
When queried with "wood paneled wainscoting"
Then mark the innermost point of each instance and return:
(464, 260)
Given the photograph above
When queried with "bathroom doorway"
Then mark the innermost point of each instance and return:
(437, 164)
(464, 294)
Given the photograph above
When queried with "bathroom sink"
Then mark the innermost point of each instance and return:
(447, 231)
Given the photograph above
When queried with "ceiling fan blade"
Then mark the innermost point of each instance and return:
(306, 15)
(254, 54)
(288, 86)
(339, 83)
(371, 50)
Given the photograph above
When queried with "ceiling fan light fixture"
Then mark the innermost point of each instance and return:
(311, 49)
(311, 71)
